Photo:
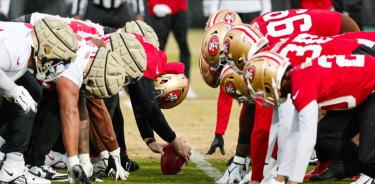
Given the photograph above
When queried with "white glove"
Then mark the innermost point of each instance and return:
(235, 172)
(246, 178)
(161, 10)
(116, 170)
(20, 96)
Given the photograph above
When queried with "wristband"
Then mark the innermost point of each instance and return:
(150, 140)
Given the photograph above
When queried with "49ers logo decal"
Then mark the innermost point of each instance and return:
(172, 96)
(249, 74)
(226, 46)
(230, 89)
(229, 18)
(213, 45)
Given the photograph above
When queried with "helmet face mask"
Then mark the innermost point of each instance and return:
(240, 43)
(55, 46)
(234, 85)
(263, 74)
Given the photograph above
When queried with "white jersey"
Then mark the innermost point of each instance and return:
(15, 51)
(75, 71)
(84, 29)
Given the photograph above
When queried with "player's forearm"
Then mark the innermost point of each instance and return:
(308, 125)
(83, 145)
(6, 84)
(70, 126)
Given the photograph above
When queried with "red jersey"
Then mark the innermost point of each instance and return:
(335, 81)
(175, 5)
(281, 24)
(302, 47)
(156, 59)
(316, 4)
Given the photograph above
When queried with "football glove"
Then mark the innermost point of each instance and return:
(22, 98)
(218, 142)
(236, 171)
(161, 10)
(114, 168)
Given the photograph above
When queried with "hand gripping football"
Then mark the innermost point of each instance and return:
(171, 162)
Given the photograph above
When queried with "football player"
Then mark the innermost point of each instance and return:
(294, 21)
(325, 82)
(146, 109)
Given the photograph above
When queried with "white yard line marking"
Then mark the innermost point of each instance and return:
(205, 166)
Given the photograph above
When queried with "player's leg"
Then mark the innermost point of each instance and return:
(334, 142)
(180, 27)
(366, 153)
(19, 129)
(46, 131)
(162, 26)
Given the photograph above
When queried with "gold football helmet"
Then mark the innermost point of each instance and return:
(241, 41)
(263, 74)
(212, 44)
(171, 89)
(227, 16)
(209, 75)
(234, 85)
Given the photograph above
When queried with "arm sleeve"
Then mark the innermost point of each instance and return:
(307, 133)
(79, 7)
(259, 140)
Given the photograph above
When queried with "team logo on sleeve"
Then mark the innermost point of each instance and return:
(229, 18)
(230, 89)
(249, 73)
(213, 45)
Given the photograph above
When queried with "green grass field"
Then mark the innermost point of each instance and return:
(193, 119)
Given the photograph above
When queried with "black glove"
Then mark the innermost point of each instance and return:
(218, 142)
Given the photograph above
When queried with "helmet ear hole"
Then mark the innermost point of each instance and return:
(90, 83)
(267, 89)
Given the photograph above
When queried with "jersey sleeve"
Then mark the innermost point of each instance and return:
(326, 23)
(259, 140)
(303, 89)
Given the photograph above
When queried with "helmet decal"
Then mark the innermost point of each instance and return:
(249, 73)
(229, 17)
(213, 45)
(230, 89)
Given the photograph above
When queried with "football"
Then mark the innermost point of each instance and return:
(171, 162)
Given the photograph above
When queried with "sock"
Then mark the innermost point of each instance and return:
(115, 152)
(86, 164)
(72, 161)
(104, 154)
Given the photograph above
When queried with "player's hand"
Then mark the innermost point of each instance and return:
(157, 147)
(115, 168)
(235, 172)
(98, 42)
(22, 98)
(218, 142)
(182, 148)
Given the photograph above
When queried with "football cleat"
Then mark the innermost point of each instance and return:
(321, 167)
(127, 164)
(246, 179)
(100, 166)
(364, 179)
(313, 159)
(236, 171)
(56, 160)
(77, 175)
(28, 178)
(48, 173)
(336, 171)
